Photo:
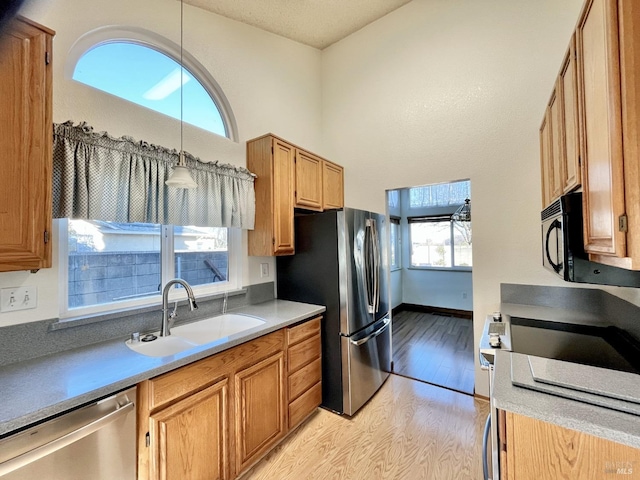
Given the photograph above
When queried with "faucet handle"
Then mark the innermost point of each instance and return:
(174, 314)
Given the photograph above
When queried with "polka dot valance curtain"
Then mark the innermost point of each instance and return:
(99, 177)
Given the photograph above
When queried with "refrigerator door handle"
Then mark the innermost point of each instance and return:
(368, 260)
(372, 335)
(376, 268)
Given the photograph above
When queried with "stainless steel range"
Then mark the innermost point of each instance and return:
(594, 345)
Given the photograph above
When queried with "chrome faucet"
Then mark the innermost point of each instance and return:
(168, 317)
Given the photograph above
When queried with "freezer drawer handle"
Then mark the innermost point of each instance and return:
(372, 335)
(61, 442)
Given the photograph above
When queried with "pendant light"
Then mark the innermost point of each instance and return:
(180, 176)
(463, 213)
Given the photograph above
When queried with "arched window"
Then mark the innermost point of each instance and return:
(144, 68)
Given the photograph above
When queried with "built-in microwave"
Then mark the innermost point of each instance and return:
(563, 247)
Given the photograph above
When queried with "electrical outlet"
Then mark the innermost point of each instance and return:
(264, 270)
(18, 298)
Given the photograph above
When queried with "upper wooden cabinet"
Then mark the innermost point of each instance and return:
(333, 186)
(289, 177)
(25, 146)
(598, 90)
(559, 135)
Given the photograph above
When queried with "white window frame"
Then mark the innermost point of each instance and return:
(147, 38)
(435, 219)
(398, 243)
(167, 268)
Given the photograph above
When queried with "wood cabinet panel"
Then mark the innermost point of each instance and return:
(190, 437)
(304, 379)
(260, 403)
(26, 145)
(303, 353)
(305, 405)
(273, 162)
(333, 185)
(543, 451)
(304, 330)
(308, 181)
(556, 147)
(545, 159)
(599, 78)
(183, 381)
(568, 90)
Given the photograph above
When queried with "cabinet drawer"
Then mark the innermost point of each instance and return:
(304, 378)
(303, 406)
(300, 332)
(303, 353)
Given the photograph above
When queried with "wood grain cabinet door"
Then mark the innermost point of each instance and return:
(568, 92)
(189, 438)
(26, 144)
(333, 185)
(557, 146)
(308, 181)
(598, 60)
(259, 409)
(545, 159)
(283, 188)
(538, 450)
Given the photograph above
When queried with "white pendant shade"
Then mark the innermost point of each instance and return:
(180, 178)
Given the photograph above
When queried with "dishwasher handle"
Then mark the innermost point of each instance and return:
(65, 440)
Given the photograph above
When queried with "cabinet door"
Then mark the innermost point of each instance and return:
(545, 159)
(568, 91)
(260, 414)
(283, 187)
(556, 147)
(26, 146)
(539, 450)
(189, 438)
(308, 181)
(598, 63)
(333, 185)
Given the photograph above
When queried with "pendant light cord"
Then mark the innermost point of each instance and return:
(181, 78)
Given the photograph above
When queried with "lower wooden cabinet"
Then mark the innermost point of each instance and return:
(537, 450)
(260, 401)
(214, 418)
(189, 438)
(304, 368)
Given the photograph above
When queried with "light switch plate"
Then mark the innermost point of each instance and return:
(18, 298)
(264, 270)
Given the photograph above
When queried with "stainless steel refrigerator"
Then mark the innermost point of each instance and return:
(341, 262)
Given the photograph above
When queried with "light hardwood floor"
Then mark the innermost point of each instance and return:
(435, 349)
(408, 431)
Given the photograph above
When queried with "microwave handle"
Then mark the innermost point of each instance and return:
(555, 224)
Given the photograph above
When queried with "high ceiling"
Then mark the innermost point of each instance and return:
(317, 23)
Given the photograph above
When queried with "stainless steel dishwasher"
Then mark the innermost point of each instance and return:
(94, 442)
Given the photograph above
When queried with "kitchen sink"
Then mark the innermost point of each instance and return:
(191, 335)
(161, 346)
(215, 328)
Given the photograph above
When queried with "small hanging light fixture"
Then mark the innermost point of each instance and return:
(463, 213)
(180, 176)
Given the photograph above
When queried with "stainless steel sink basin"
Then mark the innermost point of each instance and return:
(215, 328)
(191, 335)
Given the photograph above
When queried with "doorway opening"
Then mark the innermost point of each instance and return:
(431, 262)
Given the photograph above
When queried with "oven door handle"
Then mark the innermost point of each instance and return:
(485, 444)
(554, 225)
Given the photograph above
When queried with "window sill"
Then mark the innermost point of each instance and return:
(443, 269)
(69, 322)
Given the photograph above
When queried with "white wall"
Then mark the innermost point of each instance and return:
(272, 84)
(446, 89)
